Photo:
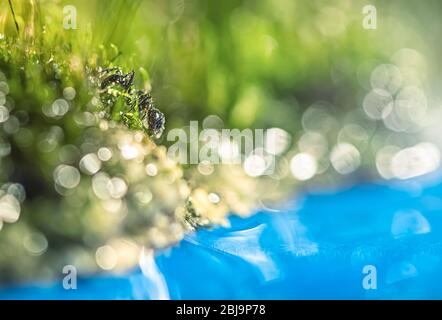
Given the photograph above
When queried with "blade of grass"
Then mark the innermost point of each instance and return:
(13, 15)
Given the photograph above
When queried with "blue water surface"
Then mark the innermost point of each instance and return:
(368, 241)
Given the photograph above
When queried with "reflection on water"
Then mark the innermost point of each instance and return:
(317, 248)
(243, 244)
(153, 280)
(409, 223)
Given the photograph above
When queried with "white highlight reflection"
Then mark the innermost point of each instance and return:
(156, 285)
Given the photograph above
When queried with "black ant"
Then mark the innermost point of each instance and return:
(153, 120)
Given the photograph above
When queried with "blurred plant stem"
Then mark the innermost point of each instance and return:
(26, 19)
(13, 15)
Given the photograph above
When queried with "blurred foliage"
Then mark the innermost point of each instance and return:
(222, 57)
(306, 70)
(253, 63)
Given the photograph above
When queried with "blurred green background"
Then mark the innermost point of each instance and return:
(257, 63)
(303, 66)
